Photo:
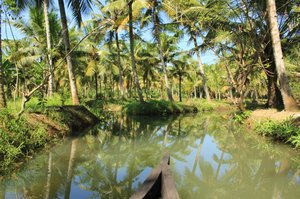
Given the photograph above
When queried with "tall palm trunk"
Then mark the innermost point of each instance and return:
(66, 39)
(201, 68)
(96, 85)
(119, 65)
(180, 94)
(49, 54)
(161, 55)
(135, 76)
(287, 96)
(2, 93)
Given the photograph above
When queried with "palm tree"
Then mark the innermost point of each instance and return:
(289, 102)
(180, 69)
(2, 92)
(135, 75)
(49, 47)
(161, 53)
(114, 17)
(65, 32)
(201, 68)
(188, 18)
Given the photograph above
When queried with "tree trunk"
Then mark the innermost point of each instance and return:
(201, 68)
(100, 87)
(96, 85)
(49, 48)
(2, 92)
(180, 96)
(119, 66)
(135, 75)
(274, 95)
(288, 99)
(161, 55)
(65, 32)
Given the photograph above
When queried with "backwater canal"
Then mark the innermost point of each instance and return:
(211, 157)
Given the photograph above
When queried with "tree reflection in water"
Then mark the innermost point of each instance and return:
(212, 157)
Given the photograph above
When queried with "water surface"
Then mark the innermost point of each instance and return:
(211, 157)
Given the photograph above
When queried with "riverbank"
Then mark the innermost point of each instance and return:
(159, 107)
(283, 126)
(22, 138)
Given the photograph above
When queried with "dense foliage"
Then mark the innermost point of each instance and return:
(161, 59)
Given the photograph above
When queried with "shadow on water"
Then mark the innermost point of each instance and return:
(212, 157)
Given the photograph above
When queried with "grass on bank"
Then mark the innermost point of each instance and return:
(34, 130)
(19, 139)
(287, 131)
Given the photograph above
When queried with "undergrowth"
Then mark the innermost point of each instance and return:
(285, 131)
(19, 139)
(241, 116)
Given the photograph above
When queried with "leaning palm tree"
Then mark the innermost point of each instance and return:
(289, 102)
(65, 32)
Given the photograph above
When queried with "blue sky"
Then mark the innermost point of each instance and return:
(207, 57)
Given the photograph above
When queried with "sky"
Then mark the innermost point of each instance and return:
(9, 31)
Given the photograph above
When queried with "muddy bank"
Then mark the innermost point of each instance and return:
(71, 119)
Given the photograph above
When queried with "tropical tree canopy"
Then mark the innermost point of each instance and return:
(174, 50)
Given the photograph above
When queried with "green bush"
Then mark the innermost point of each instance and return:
(285, 131)
(241, 116)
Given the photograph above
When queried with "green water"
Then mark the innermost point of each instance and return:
(211, 157)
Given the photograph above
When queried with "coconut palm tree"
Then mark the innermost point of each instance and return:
(180, 69)
(157, 29)
(49, 47)
(194, 23)
(133, 62)
(113, 17)
(289, 102)
(2, 92)
(65, 32)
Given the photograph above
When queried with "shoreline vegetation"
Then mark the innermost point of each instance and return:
(23, 137)
(280, 126)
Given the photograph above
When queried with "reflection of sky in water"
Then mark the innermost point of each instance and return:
(78, 191)
(141, 177)
(208, 150)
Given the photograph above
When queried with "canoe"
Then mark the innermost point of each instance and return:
(159, 184)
